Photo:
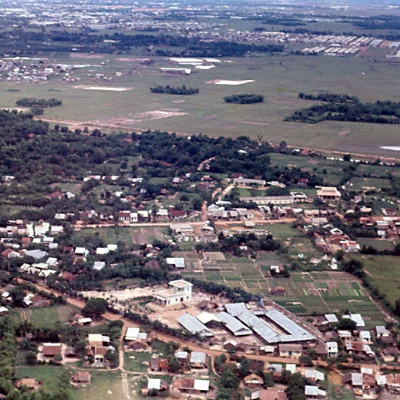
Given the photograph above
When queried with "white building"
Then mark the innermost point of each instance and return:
(178, 291)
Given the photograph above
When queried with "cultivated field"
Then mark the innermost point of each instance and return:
(279, 79)
(307, 293)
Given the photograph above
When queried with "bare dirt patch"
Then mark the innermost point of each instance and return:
(343, 133)
(214, 255)
(231, 83)
(254, 123)
(158, 114)
(85, 56)
(147, 235)
(104, 88)
(120, 295)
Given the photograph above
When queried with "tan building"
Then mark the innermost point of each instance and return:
(178, 291)
(329, 193)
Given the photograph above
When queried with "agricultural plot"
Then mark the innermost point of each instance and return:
(147, 235)
(307, 293)
(325, 292)
(380, 245)
(192, 260)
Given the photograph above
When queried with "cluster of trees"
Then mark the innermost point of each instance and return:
(37, 106)
(239, 244)
(236, 295)
(8, 351)
(342, 109)
(248, 98)
(379, 22)
(180, 90)
(242, 244)
(228, 49)
(32, 101)
(330, 97)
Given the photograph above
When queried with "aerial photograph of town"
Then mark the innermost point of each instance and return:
(199, 199)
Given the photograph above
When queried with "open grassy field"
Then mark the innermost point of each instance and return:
(384, 273)
(279, 79)
(47, 317)
(134, 361)
(106, 385)
(128, 235)
(307, 293)
(48, 374)
(326, 291)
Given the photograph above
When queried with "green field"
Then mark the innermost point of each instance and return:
(307, 293)
(48, 374)
(47, 317)
(134, 361)
(127, 235)
(105, 385)
(384, 273)
(278, 78)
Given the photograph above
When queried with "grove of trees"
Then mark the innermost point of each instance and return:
(248, 98)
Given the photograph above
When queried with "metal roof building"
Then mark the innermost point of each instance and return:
(235, 308)
(198, 357)
(193, 325)
(234, 325)
(293, 332)
(297, 332)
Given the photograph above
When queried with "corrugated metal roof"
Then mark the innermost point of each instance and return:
(235, 308)
(154, 384)
(294, 330)
(234, 325)
(193, 325)
(206, 317)
(311, 390)
(198, 357)
(202, 385)
(295, 333)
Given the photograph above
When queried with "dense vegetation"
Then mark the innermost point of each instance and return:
(183, 90)
(16, 40)
(39, 157)
(31, 102)
(244, 98)
(346, 108)
(330, 97)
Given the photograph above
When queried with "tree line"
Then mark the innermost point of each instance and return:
(347, 108)
(180, 90)
(32, 101)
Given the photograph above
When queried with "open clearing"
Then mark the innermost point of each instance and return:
(317, 292)
(232, 83)
(384, 273)
(105, 88)
(278, 78)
